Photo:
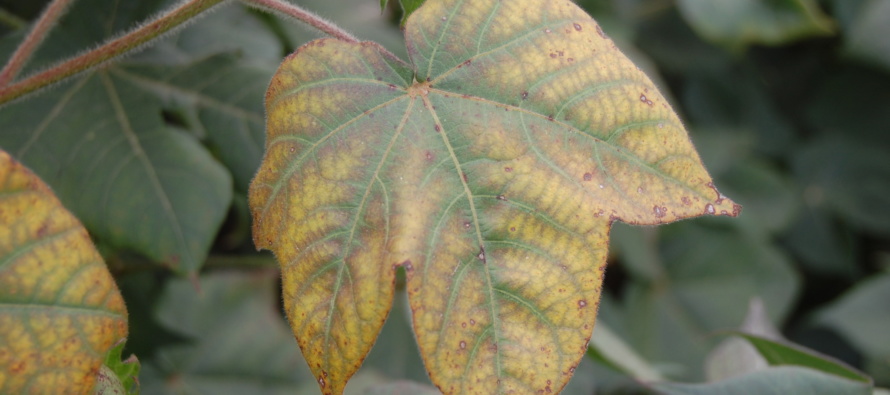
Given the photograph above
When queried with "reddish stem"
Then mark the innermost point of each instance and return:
(29, 45)
(305, 16)
(107, 51)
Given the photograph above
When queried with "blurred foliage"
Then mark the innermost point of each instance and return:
(785, 99)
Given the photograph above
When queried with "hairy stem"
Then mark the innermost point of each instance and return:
(305, 16)
(47, 20)
(295, 12)
(107, 51)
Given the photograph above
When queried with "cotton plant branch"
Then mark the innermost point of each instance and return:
(174, 18)
(29, 45)
(165, 23)
(287, 9)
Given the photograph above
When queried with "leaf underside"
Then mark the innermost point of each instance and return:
(60, 310)
(490, 168)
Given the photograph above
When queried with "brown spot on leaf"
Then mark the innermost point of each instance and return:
(508, 169)
(659, 211)
(709, 209)
(463, 345)
(502, 197)
(582, 304)
(437, 128)
(577, 27)
(588, 177)
(686, 200)
(600, 31)
(524, 95)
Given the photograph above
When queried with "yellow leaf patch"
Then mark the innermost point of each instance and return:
(60, 310)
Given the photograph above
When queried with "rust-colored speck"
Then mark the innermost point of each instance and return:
(686, 200)
(709, 208)
(577, 27)
(463, 345)
(600, 31)
(659, 211)
(437, 128)
(582, 304)
(524, 95)
(502, 197)
(588, 177)
(508, 169)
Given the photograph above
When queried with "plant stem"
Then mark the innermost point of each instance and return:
(109, 50)
(305, 16)
(327, 27)
(20, 57)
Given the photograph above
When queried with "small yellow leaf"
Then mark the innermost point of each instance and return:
(490, 168)
(60, 310)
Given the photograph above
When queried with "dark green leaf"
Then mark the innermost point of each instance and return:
(739, 23)
(711, 271)
(779, 353)
(773, 381)
(408, 8)
(240, 343)
(102, 145)
(863, 316)
(850, 177)
(866, 38)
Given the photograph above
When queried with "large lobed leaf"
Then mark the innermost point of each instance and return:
(60, 310)
(490, 168)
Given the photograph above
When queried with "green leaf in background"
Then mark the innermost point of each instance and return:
(402, 388)
(609, 349)
(239, 342)
(862, 316)
(779, 353)
(150, 187)
(126, 372)
(849, 177)
(102, 145)
(709, 272)
(739, 23)
(782, 380)
(221, 100)
(734, 356)
(408, 8)
(868, 31)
